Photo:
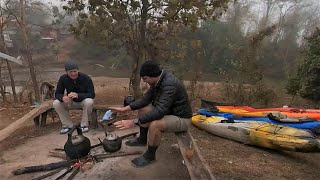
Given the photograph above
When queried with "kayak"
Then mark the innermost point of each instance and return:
(308, 124)
(281, 109)
(261, 134)
(242, 112)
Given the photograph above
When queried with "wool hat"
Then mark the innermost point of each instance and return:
(70, 65)
(150, 68)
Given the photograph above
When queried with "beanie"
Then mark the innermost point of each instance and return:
(150, 68)
(70, 65)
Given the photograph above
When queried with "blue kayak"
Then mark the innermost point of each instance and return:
(230, 116)
(209, 113)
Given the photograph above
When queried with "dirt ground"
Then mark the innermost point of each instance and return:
(227, 159)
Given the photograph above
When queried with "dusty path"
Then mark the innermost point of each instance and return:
(35, 151)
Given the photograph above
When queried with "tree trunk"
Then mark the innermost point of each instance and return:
(2, 90)
(138, 58)
(27, 51)
(13, 86)
(135, 79)
(3, 47)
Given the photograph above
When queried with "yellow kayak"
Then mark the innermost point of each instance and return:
(261, 134)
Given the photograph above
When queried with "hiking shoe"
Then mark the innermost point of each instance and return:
(65, 130)
(142, 161)
(135, 142)
(84, 129)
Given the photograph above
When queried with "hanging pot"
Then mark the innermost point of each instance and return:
(77, 146)
(112, 143)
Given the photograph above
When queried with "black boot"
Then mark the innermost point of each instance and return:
(141, 140)
(151, 153)
(147, 158)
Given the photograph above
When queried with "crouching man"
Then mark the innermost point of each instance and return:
(165, 107)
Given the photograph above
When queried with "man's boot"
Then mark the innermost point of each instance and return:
(141, 140)
(147, 158)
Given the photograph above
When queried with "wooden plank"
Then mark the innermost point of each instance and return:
(104, 107)
(44, 107)
(39, 116)
(10, 58)
(196, 165)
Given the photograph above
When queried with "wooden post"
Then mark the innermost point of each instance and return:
(36, 120)
(43, 119)
(94, 118)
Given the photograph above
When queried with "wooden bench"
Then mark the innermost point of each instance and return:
(40, 117)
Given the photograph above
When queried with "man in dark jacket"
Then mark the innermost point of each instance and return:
(79, 95)
(165, 107)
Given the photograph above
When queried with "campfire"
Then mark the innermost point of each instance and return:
(79, 155)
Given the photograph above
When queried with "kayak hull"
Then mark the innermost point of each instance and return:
(261, 134)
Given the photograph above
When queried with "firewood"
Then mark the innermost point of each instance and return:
(43, 167)
(48, 174)
(119, 154)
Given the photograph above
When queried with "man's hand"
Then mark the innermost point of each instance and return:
(124, 124)
(121, 109)
(66, 99)
(73, 95)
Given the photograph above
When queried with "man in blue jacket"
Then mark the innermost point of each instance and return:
(165, 107)
(79, 95)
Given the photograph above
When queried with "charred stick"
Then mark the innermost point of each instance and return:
(74, 173)
(65, 173)
(48, 174)
(58, 149)
(102, 156)
(43, 167)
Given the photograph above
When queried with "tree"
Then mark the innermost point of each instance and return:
(307, 80)
(139, 26)
(27, 53)
(27, 14)
(3, 25)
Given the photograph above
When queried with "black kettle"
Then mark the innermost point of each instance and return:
(77, 146)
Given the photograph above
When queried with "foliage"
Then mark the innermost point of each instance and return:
(293, 86)
(245, 85)
(307, 80)
(258, 95)
(140, 27)
(88, 51)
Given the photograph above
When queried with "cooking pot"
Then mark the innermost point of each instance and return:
(112, 143)
(77, 146)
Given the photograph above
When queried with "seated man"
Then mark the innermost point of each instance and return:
(80, 95)
(164, 108)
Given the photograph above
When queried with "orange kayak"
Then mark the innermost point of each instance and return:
(244, 111)
(251, 109)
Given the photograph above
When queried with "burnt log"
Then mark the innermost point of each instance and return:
(43, 167)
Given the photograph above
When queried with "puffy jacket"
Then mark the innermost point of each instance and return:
(83, 86)
(169, 97)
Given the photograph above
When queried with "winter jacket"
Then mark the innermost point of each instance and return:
(83, 86)
(168, 96)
